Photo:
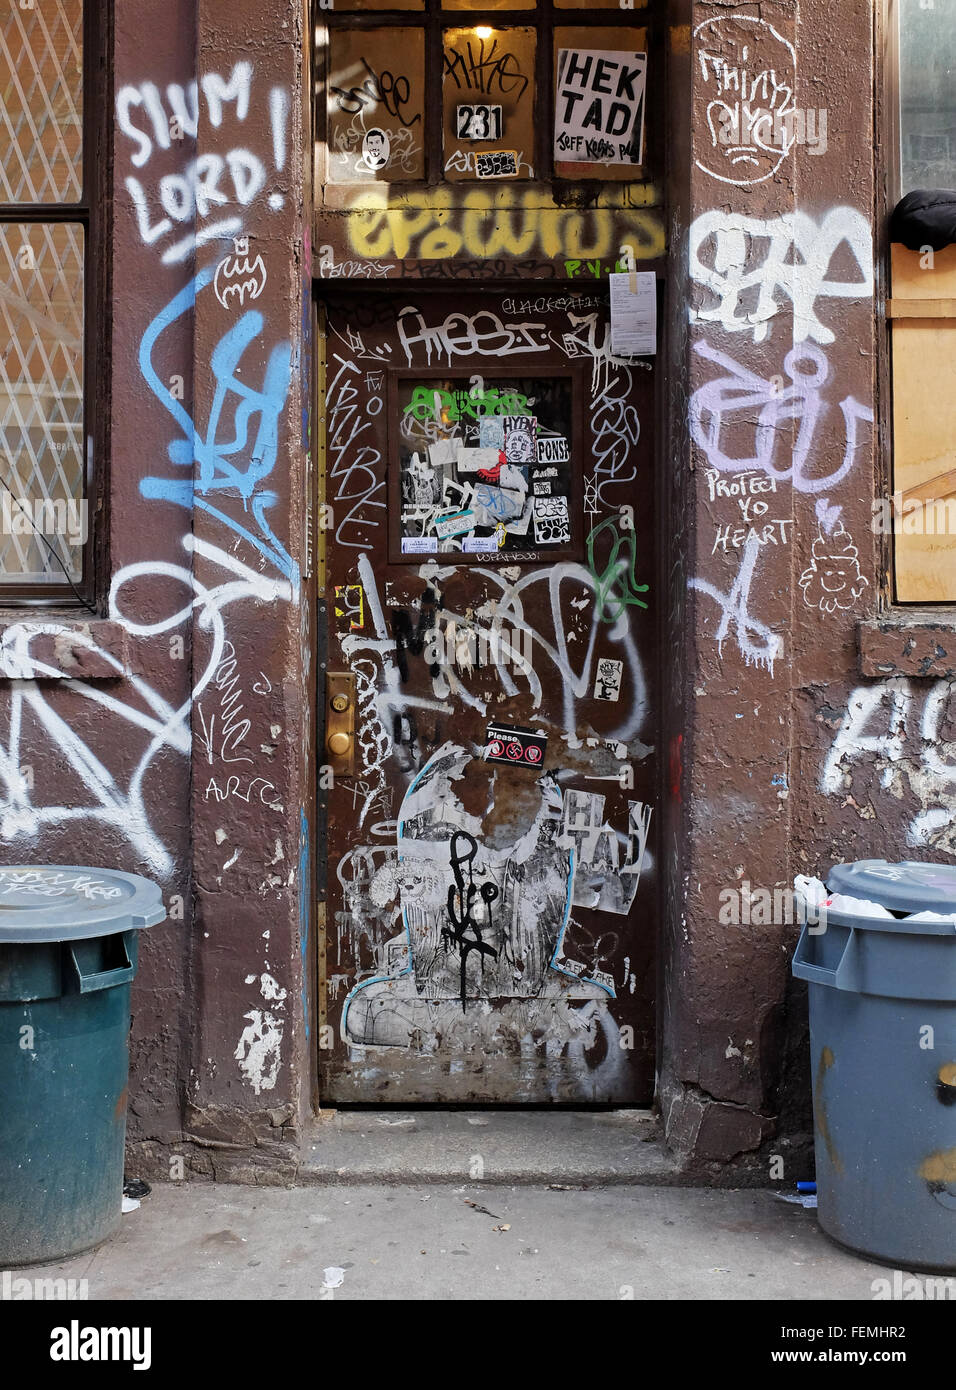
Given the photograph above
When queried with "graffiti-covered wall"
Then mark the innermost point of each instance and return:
(777, 263)
(607, 627)
(165, 734)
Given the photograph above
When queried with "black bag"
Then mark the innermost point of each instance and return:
(925, 217)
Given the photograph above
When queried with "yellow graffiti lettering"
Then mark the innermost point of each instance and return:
(485, 224)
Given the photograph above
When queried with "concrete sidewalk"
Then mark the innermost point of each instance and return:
(467, 1241)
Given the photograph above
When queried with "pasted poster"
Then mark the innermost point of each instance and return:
(484, 468)
(599, 106)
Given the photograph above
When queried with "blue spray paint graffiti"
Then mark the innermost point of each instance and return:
(239, 463)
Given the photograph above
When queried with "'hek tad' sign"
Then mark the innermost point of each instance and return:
(599, 107)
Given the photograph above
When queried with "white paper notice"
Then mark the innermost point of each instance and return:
(470, 460)
(633, 313)
(442, 451)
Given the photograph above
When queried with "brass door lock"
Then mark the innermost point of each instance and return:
(340, 722)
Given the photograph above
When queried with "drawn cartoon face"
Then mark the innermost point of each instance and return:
(833, 579)
(747, 76)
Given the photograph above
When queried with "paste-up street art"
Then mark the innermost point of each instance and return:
(497, 836)
(487, 922)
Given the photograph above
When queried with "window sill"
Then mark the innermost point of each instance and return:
(76, 649)
(920, 643)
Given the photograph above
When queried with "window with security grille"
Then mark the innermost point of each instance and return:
(45, 233)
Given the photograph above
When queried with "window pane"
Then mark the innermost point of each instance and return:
(488, 95)
(376, 106)
(41, 403)
(41, 102)
(927, 94)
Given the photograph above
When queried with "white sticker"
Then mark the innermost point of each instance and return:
(442, 451)
(419, 545)
(470, 460)
(553, 449)
(454, 525)
(607, 679)
(552, 525)
(474, 544)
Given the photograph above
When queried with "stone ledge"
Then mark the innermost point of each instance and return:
(917, 645)
(63, 648)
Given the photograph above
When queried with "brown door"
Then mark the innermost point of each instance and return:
(491, 871)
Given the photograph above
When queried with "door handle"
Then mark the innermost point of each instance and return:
(340, 722)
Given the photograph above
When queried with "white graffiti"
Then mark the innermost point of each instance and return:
(727, 402)
(886, 733)
(757, 643)
(751, 71)
(207, 187)
(33, 718)
(752, 267)
(467, 335)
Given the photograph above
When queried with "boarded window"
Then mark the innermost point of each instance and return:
(922, 312)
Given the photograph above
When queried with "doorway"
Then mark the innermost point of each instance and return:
(490, 697)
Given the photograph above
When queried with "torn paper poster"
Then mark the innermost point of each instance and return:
(470, 460)
(633, 313)
(599, 106)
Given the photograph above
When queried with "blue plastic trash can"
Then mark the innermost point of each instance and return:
(883, 1052)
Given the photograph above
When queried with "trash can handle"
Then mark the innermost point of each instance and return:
(846, 974)
(91, 980)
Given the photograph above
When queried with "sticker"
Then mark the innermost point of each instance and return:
(520, 747)
(376, 148)
(491, 432)
(599, 106)
(478, 122)
(442, 452)
(552, 525)
(350, 603)
(419, 545)
(519, 438)
(607, 680)
(470, 460)
(553, 449)
(476, 545)
(454, 525)
(544, 472)
(543, 489)
(496, 164)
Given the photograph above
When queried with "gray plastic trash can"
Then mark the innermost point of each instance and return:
(68, 948)
(883, 1045)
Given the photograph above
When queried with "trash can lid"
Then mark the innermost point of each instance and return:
(56, 902)
(909, 886)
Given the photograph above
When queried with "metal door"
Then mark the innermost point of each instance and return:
(490, 770)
